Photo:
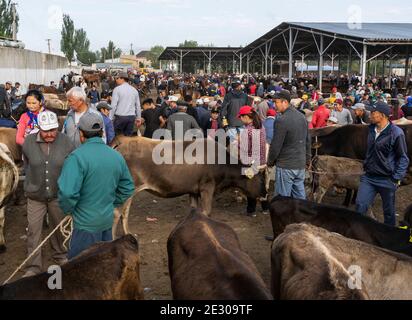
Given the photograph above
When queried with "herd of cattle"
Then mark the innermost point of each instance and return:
(314, 249)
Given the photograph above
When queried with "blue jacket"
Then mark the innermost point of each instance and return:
(109, 128)
(387, 156)
(269, 125)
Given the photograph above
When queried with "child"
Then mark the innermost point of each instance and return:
(28, 121)
(252, 142)
(213, 125)
(104, 108)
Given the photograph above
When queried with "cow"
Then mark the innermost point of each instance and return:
(329, 171)
(206, 262)
(351, 142)
(9, 179)
(309, 262)
(285, 211)
(199, 180)
(8, 137)
(106, 271)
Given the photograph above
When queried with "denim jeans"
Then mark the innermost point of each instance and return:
(290, 183)
(368, 189)
(83, 240)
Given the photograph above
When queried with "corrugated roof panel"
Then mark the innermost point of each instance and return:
(365, 31)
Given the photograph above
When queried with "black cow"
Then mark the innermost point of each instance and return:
(350, 224)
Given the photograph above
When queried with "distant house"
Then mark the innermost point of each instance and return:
(137, 61)
(144, 58)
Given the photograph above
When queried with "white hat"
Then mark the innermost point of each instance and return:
(333, 119)
(47, 120)
(173, 99)
(199, 101)
(207, 100)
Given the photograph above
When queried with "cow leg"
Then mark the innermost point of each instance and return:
(348, 198)
(194, 202)
(125, 215)
(320, 193)
(116, 220)
(206, 199)
(2, 241)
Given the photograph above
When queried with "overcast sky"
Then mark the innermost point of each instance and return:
(169, 22)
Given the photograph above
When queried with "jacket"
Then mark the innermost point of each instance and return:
(320, 117)
(387, 156)
(43, 170)
(269, 125)
(95, 179)
(291, 144)
(232, 103)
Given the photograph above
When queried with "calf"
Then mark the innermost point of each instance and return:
(9, 179)
(207, 263)
(335, 172)
(351, 224)
(106, 271)
(312, 263)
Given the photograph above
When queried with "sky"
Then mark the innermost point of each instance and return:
(145, 23)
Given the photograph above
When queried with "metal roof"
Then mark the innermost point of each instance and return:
(364, 31)
(170, 53)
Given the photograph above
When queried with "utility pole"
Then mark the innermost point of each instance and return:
(48, 44)
(13, 8)
(131, 49)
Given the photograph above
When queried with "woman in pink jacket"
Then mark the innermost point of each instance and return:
(28, 121)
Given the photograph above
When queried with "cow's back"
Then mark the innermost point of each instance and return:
(207, 263)
(8, 137)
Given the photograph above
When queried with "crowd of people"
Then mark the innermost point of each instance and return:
(74, 171)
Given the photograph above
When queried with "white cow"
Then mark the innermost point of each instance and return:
(9, 179)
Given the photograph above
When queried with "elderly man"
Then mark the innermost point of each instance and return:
(44, 155)
(386, 164)
(95, 179)
(126, 110)
(77, 100)
(361, 115)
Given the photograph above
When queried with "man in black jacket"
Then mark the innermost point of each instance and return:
(290, 150)
(5, 110)
(234, 100)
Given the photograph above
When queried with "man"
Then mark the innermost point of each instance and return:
(361, 115)
(151, 118)
(342, 114)
(126, 109)
(179, 123)
(232, 103)
(44, 155)
(385, 165)
(94, 97)
(320, 116)
(95, 179)
(5, 108)
(104, 108)
(9, 90)
(290, 149)
(76, 99)
(332, 122)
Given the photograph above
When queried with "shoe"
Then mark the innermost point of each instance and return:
(266, 212)
(252, 214)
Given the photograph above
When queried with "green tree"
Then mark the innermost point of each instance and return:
(67, 43)
(154, 55)
(189, 44)
(110, 51)
(82, 48)
(6, 19)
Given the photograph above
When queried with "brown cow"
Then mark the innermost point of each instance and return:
(106, 271)
(200, 181)
(8, 137)
(206, 262)
(311, 263)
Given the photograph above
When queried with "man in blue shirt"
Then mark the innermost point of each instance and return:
(104, 109)
(385, 166)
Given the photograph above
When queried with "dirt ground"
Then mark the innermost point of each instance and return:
(153, 235)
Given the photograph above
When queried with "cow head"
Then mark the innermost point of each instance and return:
(255, 185)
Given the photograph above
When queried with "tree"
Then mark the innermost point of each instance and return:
(189, 44)
(67, 43)
(110, 51)
(82, 48)
(154, 55)
(6, 19)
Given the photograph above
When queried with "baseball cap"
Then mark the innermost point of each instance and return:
(284, 95)
(333, 119)
(123, 75)
(271, 113)
(383, 108)
(91, 122)
(359, 106)
(245, 110)
(339, 101)
(47, 120)
(172, 99)
(103, 105)
(207, 100)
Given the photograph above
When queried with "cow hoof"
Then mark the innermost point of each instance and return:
(3, 249)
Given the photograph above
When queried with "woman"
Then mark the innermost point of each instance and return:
(28, 121)
(252, 148)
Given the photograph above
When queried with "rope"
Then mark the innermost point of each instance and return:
(65, 227)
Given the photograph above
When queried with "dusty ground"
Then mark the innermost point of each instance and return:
(153, 235)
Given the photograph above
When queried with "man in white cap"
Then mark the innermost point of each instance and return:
(361, 115)
(44, 155)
